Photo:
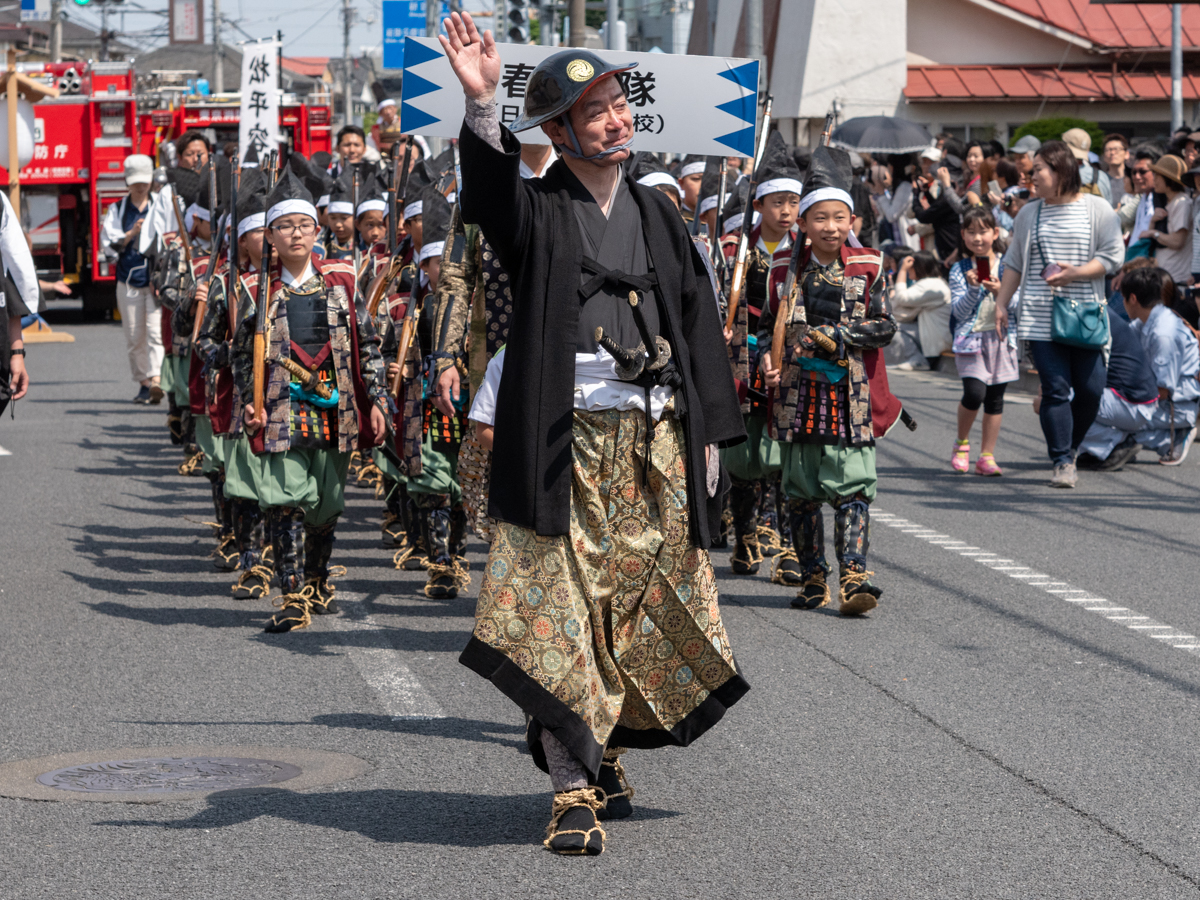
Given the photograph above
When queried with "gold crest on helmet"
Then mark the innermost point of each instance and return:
(579, 70)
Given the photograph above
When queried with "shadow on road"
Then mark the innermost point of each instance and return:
(388, 816)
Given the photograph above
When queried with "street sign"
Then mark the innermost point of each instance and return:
(401, 19)
(680, 104)
(35, 10)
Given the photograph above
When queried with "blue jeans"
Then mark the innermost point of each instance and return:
(1066, 417)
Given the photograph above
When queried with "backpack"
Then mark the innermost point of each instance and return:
(1094, 187)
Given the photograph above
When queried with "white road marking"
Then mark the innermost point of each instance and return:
(1055, 588)
(400, 692)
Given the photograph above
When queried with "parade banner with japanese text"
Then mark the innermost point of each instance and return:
(258, 125)
(680, 104)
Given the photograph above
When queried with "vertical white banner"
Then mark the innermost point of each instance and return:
(258, 124)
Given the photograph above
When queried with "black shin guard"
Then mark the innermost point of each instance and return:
(743, 501)
(458, 531)
(287, 534)
(318, 548)
(852, 528)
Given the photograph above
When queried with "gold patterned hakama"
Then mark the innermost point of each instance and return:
(611, 633)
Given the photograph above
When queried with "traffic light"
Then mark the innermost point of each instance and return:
(518, 21)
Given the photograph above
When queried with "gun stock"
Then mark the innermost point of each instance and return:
(260, 370)
(408, 331)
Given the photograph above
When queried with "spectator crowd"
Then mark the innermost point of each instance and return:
(983, 244)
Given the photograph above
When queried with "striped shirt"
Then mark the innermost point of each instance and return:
(1062, 236)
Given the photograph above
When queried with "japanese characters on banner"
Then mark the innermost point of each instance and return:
(258, 125)
(680, 104)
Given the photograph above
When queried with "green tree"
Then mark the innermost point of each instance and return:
(1052, 129)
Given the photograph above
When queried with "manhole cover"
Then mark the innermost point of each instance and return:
(169, 775)
(174, 773)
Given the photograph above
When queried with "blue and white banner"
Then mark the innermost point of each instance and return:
(680, 104)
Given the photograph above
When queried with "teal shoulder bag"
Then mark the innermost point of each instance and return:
(1074, 322)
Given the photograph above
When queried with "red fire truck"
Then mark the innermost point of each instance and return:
(81, 139)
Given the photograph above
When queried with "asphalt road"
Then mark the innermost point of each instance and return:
(1018, 719)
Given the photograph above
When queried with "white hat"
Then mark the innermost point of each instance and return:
(931, 153)
(139, 169)
(382, 103)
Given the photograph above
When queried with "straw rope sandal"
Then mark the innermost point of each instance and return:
(253, 583)
(573, 829)
(814, 592)
(612, 787)
(786, 569)
(294, 612)
(858, 595)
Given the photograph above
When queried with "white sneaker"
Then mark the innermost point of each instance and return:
(1064, 476)
(1181, 450)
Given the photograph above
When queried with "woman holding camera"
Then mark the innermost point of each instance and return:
(1063, 245)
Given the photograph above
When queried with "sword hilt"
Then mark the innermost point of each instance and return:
(629, 363)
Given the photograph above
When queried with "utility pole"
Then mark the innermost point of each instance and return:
(754, 39)
(103, 32)
(56, 30)
(347, 65)
(1176, 67)
(500, 21)
(614, 16)
(218, 79)
(578, 23)
(546, 23)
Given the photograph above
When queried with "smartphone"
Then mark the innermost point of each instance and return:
(983, 270)
(1052, 269)
(994, 187)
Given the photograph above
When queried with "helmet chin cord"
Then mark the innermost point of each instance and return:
(576, 152)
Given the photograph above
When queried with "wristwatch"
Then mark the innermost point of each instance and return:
(17, 351)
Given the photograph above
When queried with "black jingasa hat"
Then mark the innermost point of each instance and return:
(829, 178)
(250, 160)
(370, 197)
(185, 183)
(204, 199)
(414, 193)
(710, 185)
(252, 192)
(647, 169)
(435, 222)
(778, 171)
(289, 196)
(693, 164)
(736, 205)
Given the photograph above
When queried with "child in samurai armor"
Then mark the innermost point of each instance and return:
(821, 405)
(322, 389)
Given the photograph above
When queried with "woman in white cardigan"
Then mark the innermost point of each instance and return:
(926, 301)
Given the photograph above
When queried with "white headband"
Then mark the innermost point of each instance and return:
(733, 223)
(258, 220)
(654, 179)
(287, 207)
(340, 208)
(778, 185)
(432, 249)
(694, 168)
(199, 212)
(369, 205)
(323, 200)
(706, 204)
(413, 209)
(825, 193)
(383, 103)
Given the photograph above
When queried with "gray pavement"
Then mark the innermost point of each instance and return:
(1016, 720)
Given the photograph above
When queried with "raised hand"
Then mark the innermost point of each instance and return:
(474, 58)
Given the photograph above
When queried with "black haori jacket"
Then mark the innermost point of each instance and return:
(532, 227)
